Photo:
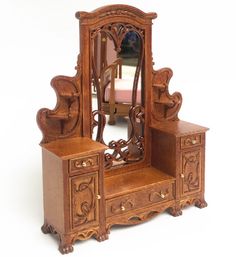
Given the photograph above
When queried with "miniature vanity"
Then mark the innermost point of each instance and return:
(94, 176)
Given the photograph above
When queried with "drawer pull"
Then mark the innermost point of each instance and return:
(125, 205)
(154, 196)
(182, 175)
(84, 163)
(162, 195)
(98, 197)
(194, 141)
(122, 208)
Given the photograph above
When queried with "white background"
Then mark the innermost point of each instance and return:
(40, 39)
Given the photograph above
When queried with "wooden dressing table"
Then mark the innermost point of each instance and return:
(91, 182)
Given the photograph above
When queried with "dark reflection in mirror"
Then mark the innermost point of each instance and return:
(118, 92)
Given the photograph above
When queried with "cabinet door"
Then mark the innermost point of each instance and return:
(84, 206)
(191, 171)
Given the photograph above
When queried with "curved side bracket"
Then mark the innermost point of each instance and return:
(164, 105)
(65, 119)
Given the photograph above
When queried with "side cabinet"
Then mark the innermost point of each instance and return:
(73, 183)
(192, 170)
(178, 148)
(191, 164)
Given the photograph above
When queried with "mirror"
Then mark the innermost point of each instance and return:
(118, 92)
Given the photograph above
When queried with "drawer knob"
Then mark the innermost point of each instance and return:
(162, 195)
(98, 197)
(182, 175)
(83, 164)
(194, 141)
(122, 208)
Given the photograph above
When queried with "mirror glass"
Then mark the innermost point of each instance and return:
(118, 93)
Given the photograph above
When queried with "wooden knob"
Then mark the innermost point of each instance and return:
(194, 141)
(122, 208)
(182, 175)
(98, 197)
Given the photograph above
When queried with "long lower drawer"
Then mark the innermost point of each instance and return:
(160, 192)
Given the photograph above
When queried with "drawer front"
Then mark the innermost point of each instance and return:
(190, 141)
(83, 163)
(149, 196)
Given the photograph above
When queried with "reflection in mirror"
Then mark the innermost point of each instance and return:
(118, 93)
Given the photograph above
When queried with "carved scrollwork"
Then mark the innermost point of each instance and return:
(86, 234)
(64, 120)
(197, 201)
(191, 171)
(99, 121)
(117, 10)
(84, 201)
(121, 151)
(117, 32)
(164, 105)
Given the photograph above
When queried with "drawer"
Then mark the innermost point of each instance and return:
(154, 194)
(190, 141)
(83, 163)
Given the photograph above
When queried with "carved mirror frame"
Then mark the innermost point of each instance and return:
(72, 116)
(116, 21)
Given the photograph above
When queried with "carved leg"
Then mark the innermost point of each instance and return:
(102, 237)
(201, 203)
(65, 244)
(102, 234)
(175, 211)
(46, 228)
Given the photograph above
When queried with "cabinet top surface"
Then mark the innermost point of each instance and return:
(72, 147)
(178, 128)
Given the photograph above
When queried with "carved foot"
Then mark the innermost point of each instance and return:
(46, 228)
(66, 249)
(175, 211)
(65, 245)
(201, 203)
(102, 237)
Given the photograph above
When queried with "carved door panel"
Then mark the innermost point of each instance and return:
(191, 169)
(84, 204)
